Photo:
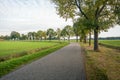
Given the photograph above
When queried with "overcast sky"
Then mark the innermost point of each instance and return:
(33, 15)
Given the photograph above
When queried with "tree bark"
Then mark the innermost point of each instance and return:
(50, 38)
(64, 39)
(76, 38)
(90, 38)
(68, 38)
(85, 39)
(96, 48)
(80, 39)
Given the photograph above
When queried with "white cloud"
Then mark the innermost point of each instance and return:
(32, 15)
(28, 15)
(112, 32)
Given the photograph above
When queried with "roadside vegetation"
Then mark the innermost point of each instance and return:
(110, 43)
(103, 64)
(15, 47)
(90, 17)
(7, 66)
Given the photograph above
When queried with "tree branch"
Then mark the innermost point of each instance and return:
(101, 9)
(96, 12)
(79, 7)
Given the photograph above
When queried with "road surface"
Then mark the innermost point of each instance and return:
(64, 64)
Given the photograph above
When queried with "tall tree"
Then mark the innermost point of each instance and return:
(44, 34)
(23, 37)
(30, 36)
(81, 29)
(50, 33)
(69, 31)
(58, 33)
(40, 34)
(76, 30)
(88, 27)
(34, 34)
(15, 35)
(100, 13)
(63, 33)
(116, 8)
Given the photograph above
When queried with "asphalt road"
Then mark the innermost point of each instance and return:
(64, 64)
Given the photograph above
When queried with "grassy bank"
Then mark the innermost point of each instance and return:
(10, 65)
(110, 43)
(15, 49)
(102, 65)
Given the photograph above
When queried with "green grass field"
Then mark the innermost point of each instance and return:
(15, 47)
(111, 42)
(10, 48)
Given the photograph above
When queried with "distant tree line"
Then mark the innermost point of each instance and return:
(109, 38)
(67, 32)
(49, 34)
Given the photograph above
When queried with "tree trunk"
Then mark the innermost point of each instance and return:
(85, 39)
(76, 38)
(50, 38)
(68, 38)
(41, 38)
(80, 39)
(64, 38)
(90, 38)
(96, 48)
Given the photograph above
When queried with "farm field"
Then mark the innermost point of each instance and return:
(115, 43)
(10, 60)
(16, 47)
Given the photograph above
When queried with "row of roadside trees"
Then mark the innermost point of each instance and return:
(93, 16)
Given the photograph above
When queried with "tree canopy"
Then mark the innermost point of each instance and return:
(15, 35)
(50, 33)
(100, 14)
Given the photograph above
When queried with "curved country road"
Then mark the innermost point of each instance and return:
(64, 64)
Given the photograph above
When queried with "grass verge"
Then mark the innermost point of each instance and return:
(102, 65)
(10, 65)
(115, 44)
(110, 46)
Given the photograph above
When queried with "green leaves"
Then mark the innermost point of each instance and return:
(15, 35)
(65, 8)
(98, 14)
(51, 33)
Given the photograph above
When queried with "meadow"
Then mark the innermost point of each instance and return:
(15, 47)
(110, 42)
(10, 53)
